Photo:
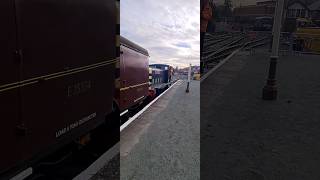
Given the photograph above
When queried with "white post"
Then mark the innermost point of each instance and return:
(270, 90)
(277, 27)
(189, 73)
(189, 77)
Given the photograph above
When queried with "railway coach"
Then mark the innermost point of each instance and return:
(156, 85)
(134, 76)
(167, 71)
(160, 78)
(57, 74)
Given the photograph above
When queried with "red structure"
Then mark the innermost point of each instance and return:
(206, 15)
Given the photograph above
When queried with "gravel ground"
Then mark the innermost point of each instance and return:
(164, 143)
(246, 138)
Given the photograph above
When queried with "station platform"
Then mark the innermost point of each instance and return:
(164, 141)
(245, 137)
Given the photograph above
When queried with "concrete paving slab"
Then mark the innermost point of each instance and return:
(245, 137)
(164, 143)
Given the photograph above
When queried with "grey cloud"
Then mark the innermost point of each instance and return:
(161, 26)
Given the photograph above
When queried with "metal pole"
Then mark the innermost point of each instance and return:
(270, 89)
(189, 74)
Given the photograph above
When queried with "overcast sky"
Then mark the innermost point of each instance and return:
(168, 29)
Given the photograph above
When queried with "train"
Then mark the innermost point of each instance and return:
(160, 77)
(309, 34)
(57, 69)
(63, 78)
(305, 31)
(133, 85)
(139, 82)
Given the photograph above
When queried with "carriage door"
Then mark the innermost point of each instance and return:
(9, 89)
(123, 80)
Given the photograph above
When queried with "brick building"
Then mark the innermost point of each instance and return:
(298, 9)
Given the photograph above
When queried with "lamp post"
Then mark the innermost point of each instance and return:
(270, 89)
(188, 83)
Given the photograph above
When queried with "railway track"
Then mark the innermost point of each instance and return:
(218, 47)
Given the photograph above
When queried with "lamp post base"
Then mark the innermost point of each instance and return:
(187, 90)
(269, 92)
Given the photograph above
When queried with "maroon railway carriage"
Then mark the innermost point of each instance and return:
(57, 73)
(134, 75)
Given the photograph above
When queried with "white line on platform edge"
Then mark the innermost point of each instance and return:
(22, 175)
(99, 163)
(144, 109)
(204, 77)
(124, 112)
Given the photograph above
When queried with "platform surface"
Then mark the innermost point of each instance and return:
(164, 142)
(246, 138)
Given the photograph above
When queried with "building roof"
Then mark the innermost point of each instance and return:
(304, 3)
(159, 65)
(315, 6)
